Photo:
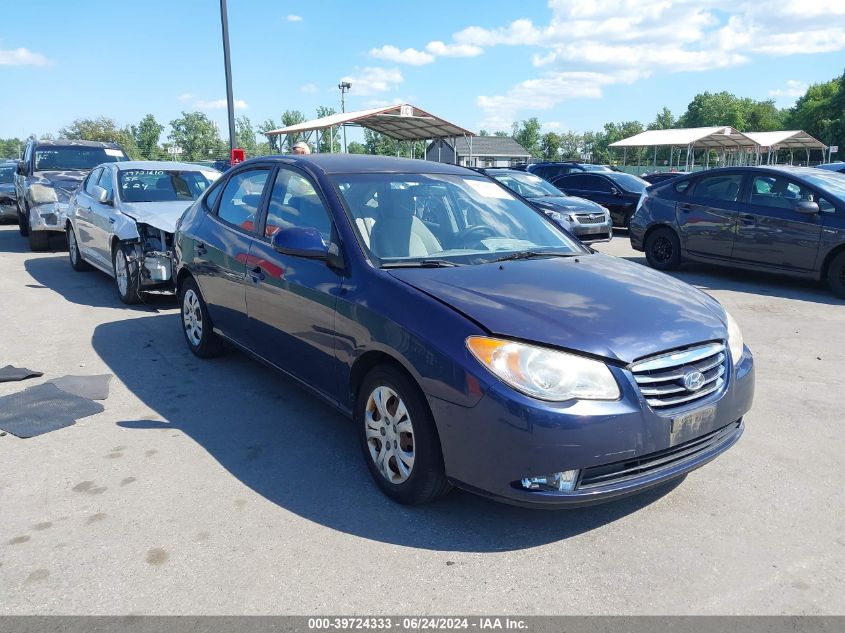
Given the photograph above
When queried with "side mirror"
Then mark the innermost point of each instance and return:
(22, 168)
(806, 207)
(300, 242)
(615, 191)
(100, 195)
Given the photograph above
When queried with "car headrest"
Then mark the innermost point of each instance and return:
(396, 203)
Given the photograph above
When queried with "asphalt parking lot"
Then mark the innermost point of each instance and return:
(216, 487)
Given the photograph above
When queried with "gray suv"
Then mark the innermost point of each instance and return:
(47, 176)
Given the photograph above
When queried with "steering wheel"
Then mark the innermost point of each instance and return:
(477, 232)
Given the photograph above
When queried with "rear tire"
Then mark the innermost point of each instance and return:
(399, 438)
(663, 249)
(126, 275)
(39, 240)
(76, 261)
(196, 323)
(836, 275)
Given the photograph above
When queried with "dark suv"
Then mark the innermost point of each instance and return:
(617, 192)
(47, 176)
(551, 170)
(781, 219)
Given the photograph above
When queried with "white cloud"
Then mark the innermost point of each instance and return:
(408, 56)
(309, 88)
(793, 88)
(22, 57)
(219, 104)
(187, 96)
(441, 49)
(294, 18)
(372, 80)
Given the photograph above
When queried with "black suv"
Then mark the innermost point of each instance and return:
(617, 192)
(551, 170)
(47, 176)
(780, 219)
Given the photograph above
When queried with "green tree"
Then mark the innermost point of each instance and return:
(11, 148)
(272, 141)
(712, 109)
(383, 145)
(527, 134)
(570, 145)
(500, 133)
(292, 117)
(197, 136)
(356, 148)
(550, 146)
(329, 139)
(663, 121)
(146, 136)
(245, 136)
(101, 129)
(483, 133)
(821, 112)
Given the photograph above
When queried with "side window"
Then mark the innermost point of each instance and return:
(597, 183)
(720, 187)
(92, 179)
(106, 183)
(213, 195)
(295, 203)
(777, 192)
(682, 186)
(825, 206)
(574, 181)
(241, 197)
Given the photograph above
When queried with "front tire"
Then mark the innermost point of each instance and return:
(663, 249)
(126, 274)
(23, 222)
(196, 323)
(836, 275)
(38, 240)
(76, 261)
(399, 438)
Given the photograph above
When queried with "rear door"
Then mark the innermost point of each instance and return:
(707, 214)
(101, 219)
(771, 232)
(291, 300)
(597, 188)
(221, 249)
(82, 212)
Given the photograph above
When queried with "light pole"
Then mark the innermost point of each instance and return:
(224, 21)
(343, 86)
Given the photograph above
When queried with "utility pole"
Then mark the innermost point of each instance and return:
(343, 86)
(224, 20)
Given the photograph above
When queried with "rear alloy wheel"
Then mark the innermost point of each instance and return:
(125, 276)
(836, 275)
(76, 260)
(399, 438)
(663, 249)
(196, 324)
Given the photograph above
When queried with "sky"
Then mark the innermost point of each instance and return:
(574, 64)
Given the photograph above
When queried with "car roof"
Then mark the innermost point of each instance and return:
(363, 164)
(64, 142)
(164, 165)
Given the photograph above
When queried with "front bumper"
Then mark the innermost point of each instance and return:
(8, 212)
(51, 216)
(620, 447)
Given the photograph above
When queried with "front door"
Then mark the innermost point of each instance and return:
(291, 300)
(101, 220)
(707, 214)
(771, 232)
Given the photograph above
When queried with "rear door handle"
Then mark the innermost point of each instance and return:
(199, 248)
(111, 220)
(747, 220)
(257, 274)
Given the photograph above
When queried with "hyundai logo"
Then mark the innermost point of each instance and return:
(693, 380)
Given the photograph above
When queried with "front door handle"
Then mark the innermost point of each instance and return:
(111, 220)
(257, 274)
(686, 208)
(199, 248)
(747, 220)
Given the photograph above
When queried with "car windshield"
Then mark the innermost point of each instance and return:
(634, 184)
(527, 185)
(160, 185)
(80, 158)
(7, 174)
(445, 219)
(831, 183)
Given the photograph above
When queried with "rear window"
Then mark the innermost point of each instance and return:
(7, 174)
(723, 187)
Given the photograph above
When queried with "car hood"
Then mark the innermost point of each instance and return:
(161, 215)
(63, 182)
(567, 204)
(595, 304)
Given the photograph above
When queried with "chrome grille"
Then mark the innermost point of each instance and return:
(590, 218)
(661, 379)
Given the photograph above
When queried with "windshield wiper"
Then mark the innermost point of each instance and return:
(532, 255)
(421, 263)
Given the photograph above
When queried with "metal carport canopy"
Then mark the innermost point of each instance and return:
(722, 136)
(404, 122)
(790, 139)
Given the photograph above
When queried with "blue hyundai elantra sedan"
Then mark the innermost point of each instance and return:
(472, 341)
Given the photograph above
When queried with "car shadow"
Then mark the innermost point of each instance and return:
(90, 288)
(715, 277)
(304, 456)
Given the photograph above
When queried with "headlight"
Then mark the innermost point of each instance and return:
(41, 194)
(735, 342)
(544, 373)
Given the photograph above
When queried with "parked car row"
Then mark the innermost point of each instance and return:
(789, 220)
(8, 199)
